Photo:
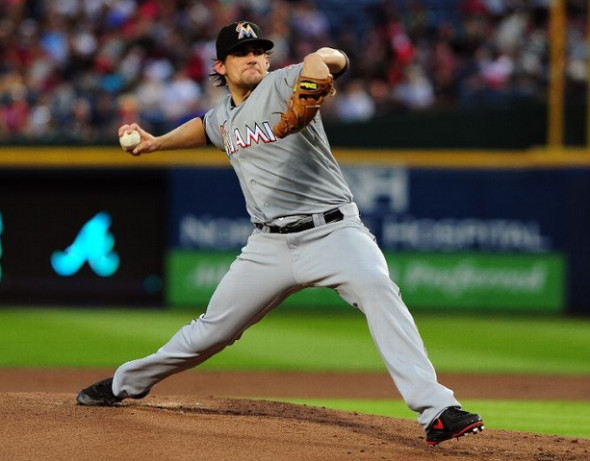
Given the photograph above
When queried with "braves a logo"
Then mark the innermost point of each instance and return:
(242, 140)
(245, 30)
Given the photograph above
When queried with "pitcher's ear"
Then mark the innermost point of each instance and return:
(219, 67)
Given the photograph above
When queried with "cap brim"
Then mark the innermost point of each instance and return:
(264, 43)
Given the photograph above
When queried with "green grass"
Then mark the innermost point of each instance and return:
(511, 344)
(335, 342)
(540, 417)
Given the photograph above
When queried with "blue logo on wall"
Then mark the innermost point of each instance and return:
(94, 244)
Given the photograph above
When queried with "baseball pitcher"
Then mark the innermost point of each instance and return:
(306, 229)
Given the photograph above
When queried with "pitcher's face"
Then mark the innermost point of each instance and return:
(244, 68)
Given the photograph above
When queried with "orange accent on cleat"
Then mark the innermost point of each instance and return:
(438, 425)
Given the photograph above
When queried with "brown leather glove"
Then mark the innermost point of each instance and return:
(308, 96)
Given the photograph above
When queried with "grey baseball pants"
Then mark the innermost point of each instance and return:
(341, 255)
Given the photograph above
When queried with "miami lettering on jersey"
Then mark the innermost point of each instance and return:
(232, 142)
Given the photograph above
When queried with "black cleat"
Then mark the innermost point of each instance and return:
(99, 394)
(452, 424)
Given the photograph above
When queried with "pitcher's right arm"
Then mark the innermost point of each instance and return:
(188, 135)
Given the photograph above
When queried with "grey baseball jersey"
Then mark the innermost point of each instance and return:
(280, 178)
(292, 180)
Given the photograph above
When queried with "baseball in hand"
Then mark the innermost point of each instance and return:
(129, 140)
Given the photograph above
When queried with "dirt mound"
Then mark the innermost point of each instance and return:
(50, 426)
(277, 385)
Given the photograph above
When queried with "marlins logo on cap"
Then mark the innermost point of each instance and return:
(244, 29)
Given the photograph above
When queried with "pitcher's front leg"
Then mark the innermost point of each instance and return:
(257, 282)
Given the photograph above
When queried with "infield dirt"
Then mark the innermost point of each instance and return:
(39, 420)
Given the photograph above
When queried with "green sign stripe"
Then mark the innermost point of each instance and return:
(500, 281)
(532, 282)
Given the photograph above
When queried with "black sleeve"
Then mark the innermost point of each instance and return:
(346, 66)
(209, 143)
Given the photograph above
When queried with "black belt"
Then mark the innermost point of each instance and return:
(303, 224)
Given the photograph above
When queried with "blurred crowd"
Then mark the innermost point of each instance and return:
(75, 70)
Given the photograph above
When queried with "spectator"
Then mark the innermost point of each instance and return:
(355, 104)
(93, 61)
(415, 91)
(180, 98)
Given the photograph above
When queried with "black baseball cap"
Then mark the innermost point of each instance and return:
(238, 33)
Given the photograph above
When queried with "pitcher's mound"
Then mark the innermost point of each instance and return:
(50, 426)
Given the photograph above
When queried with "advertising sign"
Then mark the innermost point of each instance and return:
(81, 237)
(493, 239)
(461, 210)
(207, 210)
(469, 281)
(480, 281)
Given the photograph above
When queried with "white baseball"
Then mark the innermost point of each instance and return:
(129, 140)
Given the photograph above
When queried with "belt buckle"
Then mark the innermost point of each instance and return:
(289, 228)
(295, 227)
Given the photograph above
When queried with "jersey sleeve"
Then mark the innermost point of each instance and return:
(208, 140)
(285, 80)
(212, 130)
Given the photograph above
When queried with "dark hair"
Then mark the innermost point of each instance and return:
(217, 79)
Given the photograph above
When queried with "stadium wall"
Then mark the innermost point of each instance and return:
(464, 231)
(478, 126)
